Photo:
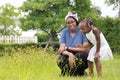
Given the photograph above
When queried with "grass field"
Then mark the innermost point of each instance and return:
(35, 64)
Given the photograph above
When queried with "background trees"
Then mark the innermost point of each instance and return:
(116, 4)
(48, 15)
(8, 15)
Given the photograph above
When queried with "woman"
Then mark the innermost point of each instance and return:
(73, 48)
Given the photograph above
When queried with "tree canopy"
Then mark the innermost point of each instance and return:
(8, 14)
(116, 4)
(48, 15)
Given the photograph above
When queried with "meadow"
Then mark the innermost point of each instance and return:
(35, 64)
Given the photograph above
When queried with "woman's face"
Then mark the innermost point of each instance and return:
(71, 23)
(84, 28)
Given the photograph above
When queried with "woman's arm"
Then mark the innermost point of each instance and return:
(61, 48)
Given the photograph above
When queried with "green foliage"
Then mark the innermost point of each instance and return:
(8, 47)
(115, 3)
(112, 2)
(42, 14)
(48, 15)
(8, 15)
(42, 37)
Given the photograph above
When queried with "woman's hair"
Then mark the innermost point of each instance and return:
(74, 19)
(87, 21)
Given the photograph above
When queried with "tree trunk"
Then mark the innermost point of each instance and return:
(53, 36)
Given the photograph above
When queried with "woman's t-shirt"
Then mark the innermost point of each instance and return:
(70, 41)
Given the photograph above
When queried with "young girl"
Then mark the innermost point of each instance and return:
(100, 49)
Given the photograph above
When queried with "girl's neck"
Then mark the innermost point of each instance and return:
(92, 27)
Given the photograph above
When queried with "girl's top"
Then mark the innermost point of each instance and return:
(105, 51)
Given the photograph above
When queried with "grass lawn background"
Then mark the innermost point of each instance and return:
(35, 64)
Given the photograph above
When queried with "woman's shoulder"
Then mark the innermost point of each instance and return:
(65, 29)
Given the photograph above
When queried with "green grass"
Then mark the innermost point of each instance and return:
(35, 64)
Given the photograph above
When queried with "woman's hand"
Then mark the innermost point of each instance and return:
(61, 49)
(72, 60)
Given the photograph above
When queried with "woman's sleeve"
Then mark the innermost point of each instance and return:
(84, 38)
(62, 36)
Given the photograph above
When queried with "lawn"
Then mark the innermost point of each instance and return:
(35, 64)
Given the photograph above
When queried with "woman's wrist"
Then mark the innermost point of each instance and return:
(66, 48)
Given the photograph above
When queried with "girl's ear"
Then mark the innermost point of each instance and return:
(89, 25)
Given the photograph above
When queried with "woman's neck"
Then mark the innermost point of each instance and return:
(73, 32)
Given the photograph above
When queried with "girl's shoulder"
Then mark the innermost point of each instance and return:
(95, 30)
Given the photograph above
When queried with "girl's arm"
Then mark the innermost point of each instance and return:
(84, 48)
(97, 36)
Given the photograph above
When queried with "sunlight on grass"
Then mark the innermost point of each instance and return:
(35, 64)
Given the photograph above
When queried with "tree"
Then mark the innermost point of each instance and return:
(116, 4)
(8, 14)
(48, 15)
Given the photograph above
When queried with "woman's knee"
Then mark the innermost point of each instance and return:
(61, 60)
(82, 57)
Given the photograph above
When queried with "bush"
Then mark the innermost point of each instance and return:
(16, 46)
(42, 37)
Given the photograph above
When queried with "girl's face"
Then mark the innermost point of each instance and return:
(84, 28)
(71, 23)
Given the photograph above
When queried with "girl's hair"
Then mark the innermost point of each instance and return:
(87, 21)
(74, 19)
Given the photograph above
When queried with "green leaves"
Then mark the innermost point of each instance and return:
(49, 15)
(8, 16)
(116, 4)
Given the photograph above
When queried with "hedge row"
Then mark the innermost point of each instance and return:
(16, 46)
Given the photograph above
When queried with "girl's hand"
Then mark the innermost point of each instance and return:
(79, 46)
(96, 55)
